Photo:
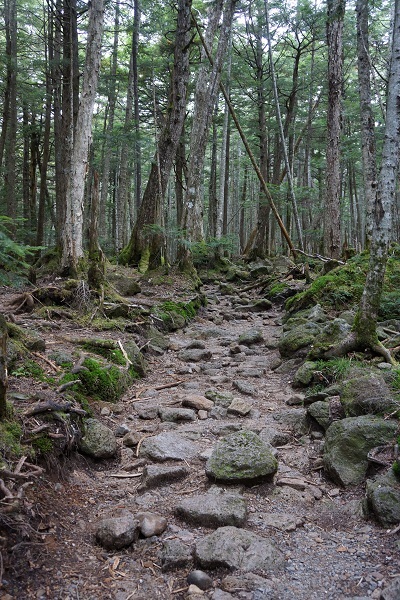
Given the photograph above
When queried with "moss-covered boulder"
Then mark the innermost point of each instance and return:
(98, 440)
(348, 442)
(241, 456)
(304, 374)
(320, 412)
(367, 394)
(331, 336)
(382, 498)
(297, 341)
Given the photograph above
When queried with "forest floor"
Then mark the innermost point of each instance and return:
(329, 550)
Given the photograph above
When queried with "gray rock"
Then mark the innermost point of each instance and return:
(321, 413)
(297, 341)
(241, 456)
(392, 591)
(168, 446)
(250, 337)
(151, 524)
(221, 595)
(146, 411)
(232, 548)
(114, 533)
(383, 498)
(122, 430)
(200, 579)
(304, 374)
(251, 372)
(98, 440)
(223, 399)
(214, 509)
(348, 442)
(132, 439)
(262, 304)
(157, 339)
(194, 355)
(175, 415)
(197, 402)
(367, 394)
(158, 475)
(175, 554)
(293, 419)
(288, 367)
(333, 333)
(239, 407)
(274, 437)
(244, 388)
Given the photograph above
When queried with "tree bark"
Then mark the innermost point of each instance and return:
(334, 32)
(146, 244)
(367, 117)
(72, 251)
(205, 96)
(3, 368)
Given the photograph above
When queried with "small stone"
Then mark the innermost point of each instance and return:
(203, 415)
(114, 533)
(194, 592)
(244, 388)
(174, 415)
(122, 430)
(151, 524)
(200, 579)
(239, 407)
(295, 400)
(105, 412)
(131, 439)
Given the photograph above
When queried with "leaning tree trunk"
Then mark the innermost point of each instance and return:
(364, 334)
(72, 250)
(145, 246)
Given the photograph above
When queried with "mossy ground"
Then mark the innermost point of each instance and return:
(342, 287)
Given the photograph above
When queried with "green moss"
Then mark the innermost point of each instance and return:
(101, 382)
(42, 445)
(114, 355)
(29, 368)
(175, 315)
(10, 439)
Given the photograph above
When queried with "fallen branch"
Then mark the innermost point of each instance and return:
(52, 406)
(67, 385)
(47, 361)
(125, 475)
(324, 259)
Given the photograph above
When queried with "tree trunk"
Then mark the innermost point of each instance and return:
(205, 96)
(145, 246)
(334, 32)
(72, 251)
(367, 118)
(365, 335)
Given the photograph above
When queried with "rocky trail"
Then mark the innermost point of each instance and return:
(135, 527)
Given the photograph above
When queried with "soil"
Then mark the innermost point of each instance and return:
(48, 551)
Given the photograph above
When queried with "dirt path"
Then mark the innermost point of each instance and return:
(329, 550)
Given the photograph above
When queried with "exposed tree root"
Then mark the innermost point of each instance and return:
(352, 344)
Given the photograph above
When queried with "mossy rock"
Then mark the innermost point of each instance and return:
(305, 373)
(175, 315)
(331, 336)
(383, 499)
(101, 381)
(297, 341)
(367, 394)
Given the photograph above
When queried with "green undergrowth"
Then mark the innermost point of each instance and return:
(99, 381)
(342, 287)
(175, 315)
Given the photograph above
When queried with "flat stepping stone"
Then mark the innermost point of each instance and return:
(215, 509)
(239, 407)
(159, 475)
(194, 355)
(233, 548)
(176, 415)
(168, 446)
(244, 388)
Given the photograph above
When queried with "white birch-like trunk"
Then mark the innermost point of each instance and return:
(72, 238)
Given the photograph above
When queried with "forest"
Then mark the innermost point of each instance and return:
(155, 131)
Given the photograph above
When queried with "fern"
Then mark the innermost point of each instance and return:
(13, 255)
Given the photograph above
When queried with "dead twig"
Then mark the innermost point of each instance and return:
(52, 406)
(47, 361)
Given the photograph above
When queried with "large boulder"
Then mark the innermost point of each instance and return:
(348, 442)
(367, 394)
(232, 548)
(297, 341)
(383, 498)
(331, 336)
(98, 440)
(241, 456)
